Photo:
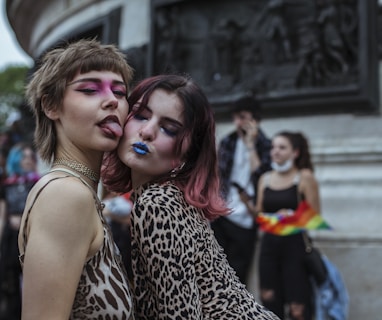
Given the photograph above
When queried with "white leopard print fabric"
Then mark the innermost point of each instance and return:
(180, 271)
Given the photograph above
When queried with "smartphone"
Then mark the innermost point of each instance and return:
(237, 186)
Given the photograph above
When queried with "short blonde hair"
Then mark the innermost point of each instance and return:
(58, 67)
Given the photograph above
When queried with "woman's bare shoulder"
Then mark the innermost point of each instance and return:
(308, 178)
(54, 193)
(307, 174)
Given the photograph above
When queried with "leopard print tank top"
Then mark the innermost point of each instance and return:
(103, 290)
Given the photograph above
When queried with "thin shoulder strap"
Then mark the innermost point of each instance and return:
(95, 196)
(98, 202)
(267, 178)
(30, 209)
(73, 174)
(296, 179)
(296, 182)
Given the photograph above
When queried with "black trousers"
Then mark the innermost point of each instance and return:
(282, 270)
(10, 274)
(238, 243)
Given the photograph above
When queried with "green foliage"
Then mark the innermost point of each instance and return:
(12, 81)
(12, 84)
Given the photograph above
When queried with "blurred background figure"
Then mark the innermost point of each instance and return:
(243, 155)
(21, 175)
(117, 213)
(285, 287)
(13, 131)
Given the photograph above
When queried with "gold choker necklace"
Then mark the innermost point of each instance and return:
(78, 167)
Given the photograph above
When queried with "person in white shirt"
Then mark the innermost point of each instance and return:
(244, 155)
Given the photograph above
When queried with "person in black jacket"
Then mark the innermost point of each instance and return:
(244, 155)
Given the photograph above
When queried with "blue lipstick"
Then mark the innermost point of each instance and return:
(140, 148)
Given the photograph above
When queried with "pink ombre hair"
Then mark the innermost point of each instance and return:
(198, 180)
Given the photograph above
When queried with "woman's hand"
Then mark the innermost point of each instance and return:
(251, 131)
(285, 212)
(247, 200)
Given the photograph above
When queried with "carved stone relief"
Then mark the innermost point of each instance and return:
(277, 49)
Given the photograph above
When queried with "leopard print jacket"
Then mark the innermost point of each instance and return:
(103, 290)
(180, 271)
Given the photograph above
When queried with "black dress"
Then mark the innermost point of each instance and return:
(281, 264)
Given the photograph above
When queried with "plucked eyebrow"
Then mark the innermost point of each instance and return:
(96, 80)
(167, 119)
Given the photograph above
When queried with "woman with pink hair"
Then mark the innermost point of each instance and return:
(167, 156)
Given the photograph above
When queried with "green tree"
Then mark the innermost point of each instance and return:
(12, 84)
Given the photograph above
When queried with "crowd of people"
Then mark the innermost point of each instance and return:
(18, 173)
(141, 214)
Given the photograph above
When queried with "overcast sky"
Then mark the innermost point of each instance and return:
(10, 51)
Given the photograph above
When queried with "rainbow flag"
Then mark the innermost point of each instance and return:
(303, 218)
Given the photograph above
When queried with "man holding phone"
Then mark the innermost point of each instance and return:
(244, 155)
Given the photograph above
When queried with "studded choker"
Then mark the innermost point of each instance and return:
(78, 167)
